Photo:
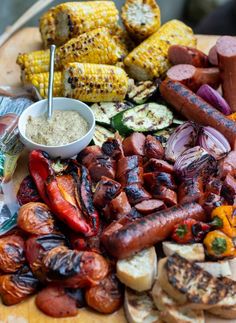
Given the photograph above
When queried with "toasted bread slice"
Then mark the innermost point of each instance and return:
(170, 311)
(227, 307)
(192, 252)
(140, 308)
(189, 284)
(216, 268)
(139, 271)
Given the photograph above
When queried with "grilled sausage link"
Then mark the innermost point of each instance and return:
(196, 109)
(145, 232)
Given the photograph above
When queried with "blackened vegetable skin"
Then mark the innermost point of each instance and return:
(196, 109)
(16, 287)
(55, 302)
(72, 268)
(107, 296)
(36, 218)
(146, 232)
(38, 246)
(12, 254)
(27, 191)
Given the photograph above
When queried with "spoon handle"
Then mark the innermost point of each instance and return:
(51, 80)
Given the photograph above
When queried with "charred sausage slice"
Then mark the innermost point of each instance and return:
(149, 206)
(134, 144)
(105, 191)
(118, 207)
(158, 165)
(125, 164)
(153, 148)
(194, 77)
(178, 54)
(136, 193)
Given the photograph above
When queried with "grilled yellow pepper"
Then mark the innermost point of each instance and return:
(224, 219)
(219, 245)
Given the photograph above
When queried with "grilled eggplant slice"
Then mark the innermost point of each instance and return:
(147, 117)
(104, 111)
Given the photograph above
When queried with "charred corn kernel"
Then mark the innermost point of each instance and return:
(141, 18)
(76, 18)
(219, 245)
(224, 218)
(94, 82)
(232, 116)
(149, 59)
(40, 81)
(123, 38)
(34, 62)
(96, 46)
(47, 28)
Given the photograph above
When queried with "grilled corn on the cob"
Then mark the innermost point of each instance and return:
(141, 18)
(47, 28)
(94, 82)
(96, 46)
(40, 81)
(34, 62)
(76, 18)
(149, 59)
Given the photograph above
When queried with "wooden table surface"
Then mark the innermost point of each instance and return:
(26, 40)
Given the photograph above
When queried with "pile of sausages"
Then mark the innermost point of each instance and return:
(194, 69)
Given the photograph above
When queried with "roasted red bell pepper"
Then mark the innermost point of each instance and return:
(79, 214)
(40, 168)
(190, 231)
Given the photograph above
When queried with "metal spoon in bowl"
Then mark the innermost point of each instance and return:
(51, 81)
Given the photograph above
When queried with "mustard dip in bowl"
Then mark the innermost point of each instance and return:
(69, 130)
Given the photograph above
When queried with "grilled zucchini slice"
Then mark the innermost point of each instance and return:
(104, 111)
(142, 91)
(147, 117)
(101, 134)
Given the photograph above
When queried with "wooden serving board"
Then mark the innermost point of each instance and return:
(26, 40)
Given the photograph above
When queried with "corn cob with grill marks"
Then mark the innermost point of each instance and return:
(75, 18)
(47, 28)
(34, 62)
(141, 18)
(40, 81)
(149, 59)
(94, 82)
(97, 46)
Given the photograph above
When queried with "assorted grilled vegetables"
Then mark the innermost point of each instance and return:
(101, 134)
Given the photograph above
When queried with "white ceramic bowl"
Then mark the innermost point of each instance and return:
(39, 108)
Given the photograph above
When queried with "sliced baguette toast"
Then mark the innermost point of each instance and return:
(189, 284)
(227, 307)
(192, 252)
(170, 311)
(140, 308)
